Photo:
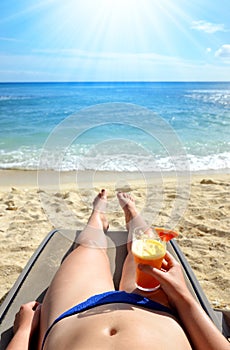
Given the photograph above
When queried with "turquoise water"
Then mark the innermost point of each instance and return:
(115, 126)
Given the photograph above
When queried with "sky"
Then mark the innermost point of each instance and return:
(114, 40)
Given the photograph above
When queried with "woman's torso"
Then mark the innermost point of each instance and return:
(117, 326)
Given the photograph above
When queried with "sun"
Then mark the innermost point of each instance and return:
(122, 36)
(121, 10)
(121, 4)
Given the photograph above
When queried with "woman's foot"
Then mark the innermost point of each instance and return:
(98, 218)
(132, 218)
(127, 203)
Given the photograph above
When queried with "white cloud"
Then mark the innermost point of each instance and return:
(82, 55)
(223, 51)
(93, 66)
(207, 27)
(9, 39)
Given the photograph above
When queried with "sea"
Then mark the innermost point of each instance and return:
(115, 126)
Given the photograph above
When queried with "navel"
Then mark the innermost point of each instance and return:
(113, 331)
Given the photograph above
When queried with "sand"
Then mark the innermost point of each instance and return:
(31, 207)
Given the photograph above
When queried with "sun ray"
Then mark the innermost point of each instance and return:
(119, 37)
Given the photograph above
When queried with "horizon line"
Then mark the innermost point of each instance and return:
(112, 81)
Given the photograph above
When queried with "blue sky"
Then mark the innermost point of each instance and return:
(114, 40)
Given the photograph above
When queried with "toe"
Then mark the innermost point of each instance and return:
(103, 194)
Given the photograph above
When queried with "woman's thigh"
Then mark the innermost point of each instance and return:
(85, 272)
(127, 282)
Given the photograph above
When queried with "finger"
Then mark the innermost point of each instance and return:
(165, 265)
(167, 261)
(36, 305)
(36, 317)
(38, 308)
(31, 305)
(150, 270)
(170, 259)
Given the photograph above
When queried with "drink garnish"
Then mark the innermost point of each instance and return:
(164, 234)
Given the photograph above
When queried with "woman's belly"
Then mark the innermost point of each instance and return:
(117, 326)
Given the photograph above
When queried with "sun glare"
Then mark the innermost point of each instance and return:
(114, 25)
(120, 3)
(119, 35)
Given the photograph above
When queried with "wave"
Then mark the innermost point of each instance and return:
(15, 98)
(211, 96)
(28, 159)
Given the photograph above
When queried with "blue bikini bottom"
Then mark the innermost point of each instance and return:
(110, 298)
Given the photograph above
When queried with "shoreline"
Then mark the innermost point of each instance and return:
(35, 178)
(29, 209)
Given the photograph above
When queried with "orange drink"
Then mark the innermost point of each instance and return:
(149, 251)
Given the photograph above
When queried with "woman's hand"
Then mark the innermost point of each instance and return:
(27, 318)
(171, 279)
(25, 325)
(202, 331)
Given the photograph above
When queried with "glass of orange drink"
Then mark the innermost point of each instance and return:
(147, 248)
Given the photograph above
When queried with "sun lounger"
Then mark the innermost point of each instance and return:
(36, 276)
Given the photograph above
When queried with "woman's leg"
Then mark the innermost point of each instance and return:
(85, 272)
(134, 221)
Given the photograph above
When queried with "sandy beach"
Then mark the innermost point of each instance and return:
(29, 210)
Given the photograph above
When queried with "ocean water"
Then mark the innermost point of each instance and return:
(115, 126)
